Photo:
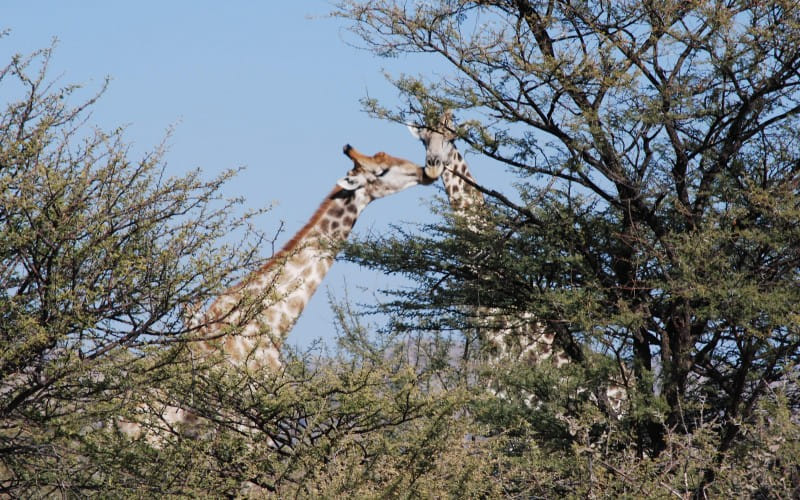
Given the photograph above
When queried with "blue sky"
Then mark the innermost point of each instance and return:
(272, 86)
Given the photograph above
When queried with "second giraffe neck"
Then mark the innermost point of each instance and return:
(461, 194)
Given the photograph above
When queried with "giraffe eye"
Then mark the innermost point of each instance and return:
(383, 172)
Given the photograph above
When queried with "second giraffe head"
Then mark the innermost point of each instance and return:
(440, 148)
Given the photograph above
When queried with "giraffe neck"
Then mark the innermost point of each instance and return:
(251, 320)
(464, 198)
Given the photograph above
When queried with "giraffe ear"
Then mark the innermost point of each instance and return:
(351, 182)
(421, 133)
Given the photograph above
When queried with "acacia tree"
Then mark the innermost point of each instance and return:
(665, 134)
(99, 253)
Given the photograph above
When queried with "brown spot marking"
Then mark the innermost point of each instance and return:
(458, 156)
(214, 311)
(336, 212)
(351, 207)
(231, 348)
(348, 221)
(296, 305)
(285, 324)
(335, 225)
(323, 224)
(271, 316)
(273, 362)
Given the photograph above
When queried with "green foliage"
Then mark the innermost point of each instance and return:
(655, 227)
(98, 256)
(654, 235)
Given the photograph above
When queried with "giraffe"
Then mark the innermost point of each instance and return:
(249, 322)
(522, 334)
(519, 335)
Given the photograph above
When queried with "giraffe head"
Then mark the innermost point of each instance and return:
(381, 174)
(441, 153)
(440, 148)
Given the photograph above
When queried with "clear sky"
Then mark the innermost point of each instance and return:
(272, 86)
